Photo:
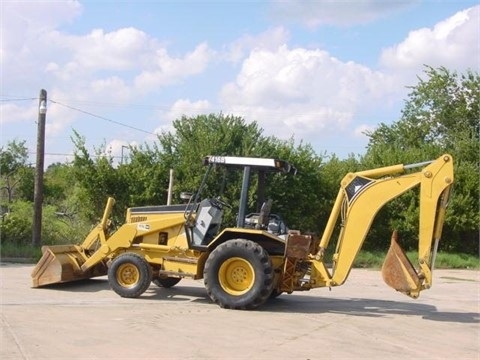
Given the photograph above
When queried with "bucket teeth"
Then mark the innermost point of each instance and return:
(398, 272)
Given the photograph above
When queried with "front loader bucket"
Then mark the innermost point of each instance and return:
(61, 263)
(398, 272)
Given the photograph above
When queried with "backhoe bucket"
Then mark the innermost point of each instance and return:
(398, 272)
(61, 263)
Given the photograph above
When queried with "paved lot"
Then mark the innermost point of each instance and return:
(363, 319)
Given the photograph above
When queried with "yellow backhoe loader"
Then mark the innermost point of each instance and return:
(259, 258)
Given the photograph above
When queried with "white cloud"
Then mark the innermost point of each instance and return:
(167, 70)
(328, 12)
(453, 43)
(306, 93)
(24, 21)
(288, 91)
(114, 86)
(25, 28)
(11, 112)
(79, 58)
(181, 107)
(188, 108)
(117, 66)
(361, 129)
(58, 118)
(139, 62)
(33, 48)
(117, 50)
(269, 40)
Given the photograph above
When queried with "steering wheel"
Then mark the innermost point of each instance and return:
(220, 203)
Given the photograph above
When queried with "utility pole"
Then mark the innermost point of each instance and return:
(38, 190)
(170, 188)
(121, 159)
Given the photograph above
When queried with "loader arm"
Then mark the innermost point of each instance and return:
(359, 199)
(64, 263)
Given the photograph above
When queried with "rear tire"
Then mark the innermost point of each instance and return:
(275, 294)
(129, 275)
(166, 282)
(238, 274)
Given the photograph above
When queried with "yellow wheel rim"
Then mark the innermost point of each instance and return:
(236, 276)
(128, 275)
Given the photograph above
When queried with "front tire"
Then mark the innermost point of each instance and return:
(238, 274)
(129, 275)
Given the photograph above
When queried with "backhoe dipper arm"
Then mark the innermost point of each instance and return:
(364, 193)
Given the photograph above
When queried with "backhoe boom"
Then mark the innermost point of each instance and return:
(359, 199)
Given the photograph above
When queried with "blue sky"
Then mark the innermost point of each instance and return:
(322, 72)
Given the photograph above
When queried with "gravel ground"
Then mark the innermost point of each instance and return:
(363, 319)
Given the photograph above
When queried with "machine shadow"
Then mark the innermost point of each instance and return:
(80, 286)
(365, 307)
(308, 305)
(178, 293)
(287, 303)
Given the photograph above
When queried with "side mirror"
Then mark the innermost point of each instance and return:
(185, 196)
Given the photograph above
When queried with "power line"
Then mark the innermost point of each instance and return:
(73, 154)
(102, 118)
(17, 99)
(116, 104)
(52, 153)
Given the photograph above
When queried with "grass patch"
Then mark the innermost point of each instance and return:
(9, 250)
(365, 259)
(374, 260)
(457, 261)
(369, 259)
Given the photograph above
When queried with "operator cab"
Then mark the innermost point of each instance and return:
(204, 217)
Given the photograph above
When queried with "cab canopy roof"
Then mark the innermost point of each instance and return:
(261, 164)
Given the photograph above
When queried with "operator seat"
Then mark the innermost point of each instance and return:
(264, 215)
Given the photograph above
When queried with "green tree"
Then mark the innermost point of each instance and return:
(441, 115)
(59, 180)
(145, 175)
(305, 193)
(16, 176)
(98, 179)
(194, 138)
(16, 189)
(16, 225)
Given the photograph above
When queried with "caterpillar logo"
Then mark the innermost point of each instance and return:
(135, 219)
(143, 227)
